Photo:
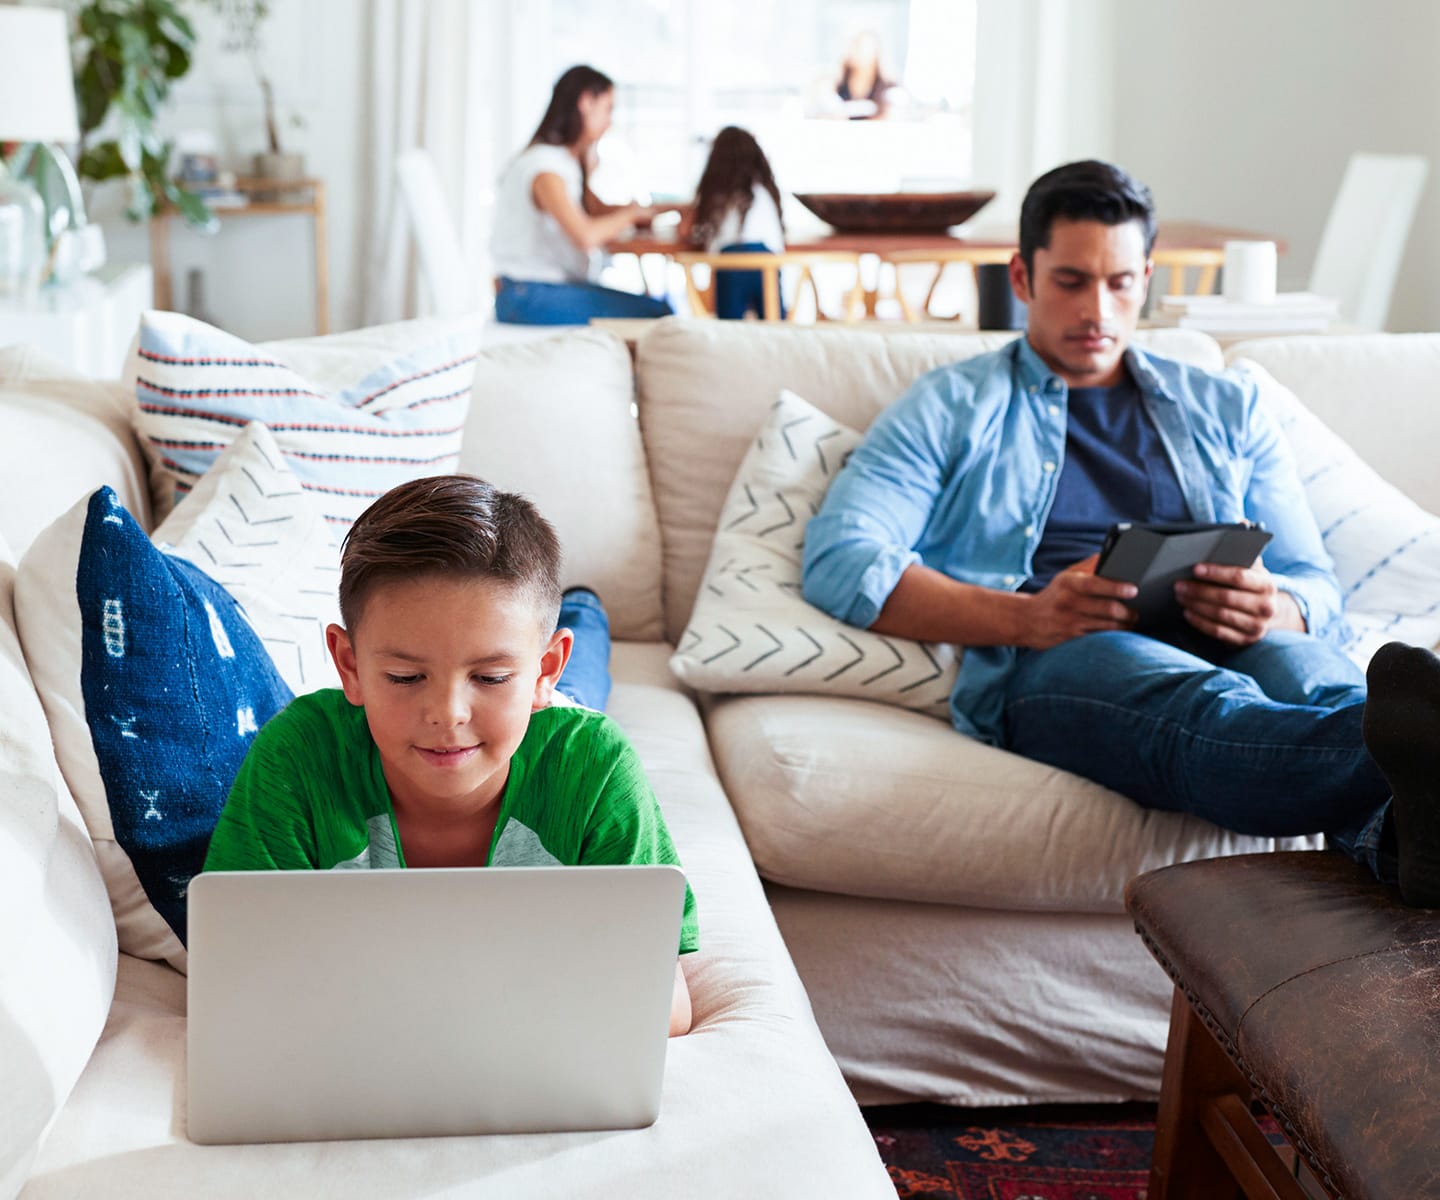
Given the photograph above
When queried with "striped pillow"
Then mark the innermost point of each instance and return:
(198, 387)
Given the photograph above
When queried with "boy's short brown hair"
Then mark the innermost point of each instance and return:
(451, 525)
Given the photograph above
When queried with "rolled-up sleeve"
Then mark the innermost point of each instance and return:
(879, 504)
(1275, 497)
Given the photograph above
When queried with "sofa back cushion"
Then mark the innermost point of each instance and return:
(1379, 392)
(706, 387)
(555, 420)
(64, 435)
(57, 938)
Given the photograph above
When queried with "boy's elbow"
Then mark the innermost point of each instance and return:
(681, 1016)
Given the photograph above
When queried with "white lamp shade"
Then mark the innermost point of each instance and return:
(37, 86)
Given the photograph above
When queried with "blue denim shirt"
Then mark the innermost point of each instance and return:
(959, 474)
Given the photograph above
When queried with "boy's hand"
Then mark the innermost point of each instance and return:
(1237, 605)
(1077, 601)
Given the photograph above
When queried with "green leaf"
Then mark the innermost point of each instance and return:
(102, 162)
(195, 211)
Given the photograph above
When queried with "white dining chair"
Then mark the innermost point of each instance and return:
(1364, 238)
(446, 275)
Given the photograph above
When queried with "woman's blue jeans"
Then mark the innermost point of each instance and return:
(586, 679)
(526, 303)
(1262, 740)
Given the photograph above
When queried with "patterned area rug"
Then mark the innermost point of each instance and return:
(1048, 1152)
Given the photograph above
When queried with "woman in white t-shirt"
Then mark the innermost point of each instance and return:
(737, 209)
(548, 222)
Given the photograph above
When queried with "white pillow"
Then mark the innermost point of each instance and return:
(1385, 546)
(198, 387)
(751, 630)
(254, 530)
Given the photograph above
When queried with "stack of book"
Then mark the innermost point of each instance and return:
(1289, 312)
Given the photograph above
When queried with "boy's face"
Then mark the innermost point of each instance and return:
(448, 671)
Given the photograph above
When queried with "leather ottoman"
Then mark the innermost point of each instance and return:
(1304, 984)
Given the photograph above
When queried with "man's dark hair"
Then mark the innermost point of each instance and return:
(1083, 191)
(452, 526)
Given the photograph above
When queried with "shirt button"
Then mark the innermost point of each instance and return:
(1009, 581)
(1034, 390)
(1029, 531)
(1049, 466)
(1054, 410)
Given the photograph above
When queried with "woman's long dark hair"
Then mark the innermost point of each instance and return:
(561, 124)
(736, 164)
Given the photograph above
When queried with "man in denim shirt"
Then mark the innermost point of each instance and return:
(974, 510)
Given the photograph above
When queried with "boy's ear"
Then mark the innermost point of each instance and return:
(552, 663)
(342, 650)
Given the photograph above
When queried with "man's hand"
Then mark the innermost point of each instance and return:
(1074, 602)
(1238, 605)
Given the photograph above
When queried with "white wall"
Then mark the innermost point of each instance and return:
(257, 270)
(1245, 112)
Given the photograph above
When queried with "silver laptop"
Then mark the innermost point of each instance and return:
(360, 1004)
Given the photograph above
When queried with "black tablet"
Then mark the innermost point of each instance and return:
(1156, 557)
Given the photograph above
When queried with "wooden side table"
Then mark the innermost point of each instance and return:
(298, 197)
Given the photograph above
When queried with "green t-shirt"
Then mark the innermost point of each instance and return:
(311, 794)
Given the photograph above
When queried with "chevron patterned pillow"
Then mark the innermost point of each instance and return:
(751, 630)
(251, 527)
(198, 387)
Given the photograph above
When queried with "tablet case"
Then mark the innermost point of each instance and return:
(1156, 557)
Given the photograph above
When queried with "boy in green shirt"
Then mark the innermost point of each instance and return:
(443, 749)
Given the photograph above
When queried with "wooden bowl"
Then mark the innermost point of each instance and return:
(894, 212)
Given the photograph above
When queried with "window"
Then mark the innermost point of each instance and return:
(685, 68)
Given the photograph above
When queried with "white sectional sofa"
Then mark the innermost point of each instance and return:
(954, 912)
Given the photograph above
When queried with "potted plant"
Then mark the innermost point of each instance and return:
(244, 19)
(131, 53)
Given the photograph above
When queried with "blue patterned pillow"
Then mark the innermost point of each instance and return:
(173, 685)
(198, 387)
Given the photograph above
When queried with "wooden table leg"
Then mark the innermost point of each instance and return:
(160, 259)
(322, 264)
(1185, 1165)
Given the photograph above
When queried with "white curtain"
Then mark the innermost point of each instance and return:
(1044, 92)
(432, 71)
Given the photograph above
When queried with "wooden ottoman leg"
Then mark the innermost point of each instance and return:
(1185, 1165)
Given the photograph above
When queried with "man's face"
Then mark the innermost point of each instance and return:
(1085, 295)
(448, 671)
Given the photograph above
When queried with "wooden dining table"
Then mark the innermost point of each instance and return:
(978, 247)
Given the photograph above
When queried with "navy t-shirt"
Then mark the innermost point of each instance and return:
(1115, 469)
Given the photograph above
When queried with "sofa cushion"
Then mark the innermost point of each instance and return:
(555, 419)
(706, 387)
(1380, 393)
(866, 799)
(349, 442)
(123, 1134)
(752, 630)
(154, 684)
(1386, 547)
(57, 937)
(86, 427)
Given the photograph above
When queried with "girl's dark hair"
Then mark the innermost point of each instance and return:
(561, 124)
(454, 526)
(1089, 190)
(735, 165)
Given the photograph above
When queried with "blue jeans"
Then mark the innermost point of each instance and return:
(586, 679)
(1263, 740)
(741, 292)
(521, 302)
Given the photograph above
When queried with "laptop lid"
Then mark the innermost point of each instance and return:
(413, 1003)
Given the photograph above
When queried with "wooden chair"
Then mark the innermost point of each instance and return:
(702, 298)
(1178, 262)
(971, 256)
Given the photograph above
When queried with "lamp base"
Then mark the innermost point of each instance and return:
(22, 236)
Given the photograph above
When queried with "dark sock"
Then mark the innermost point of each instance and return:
(1402, 732)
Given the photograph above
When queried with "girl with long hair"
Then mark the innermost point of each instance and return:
(548, 222)
(737, 209)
